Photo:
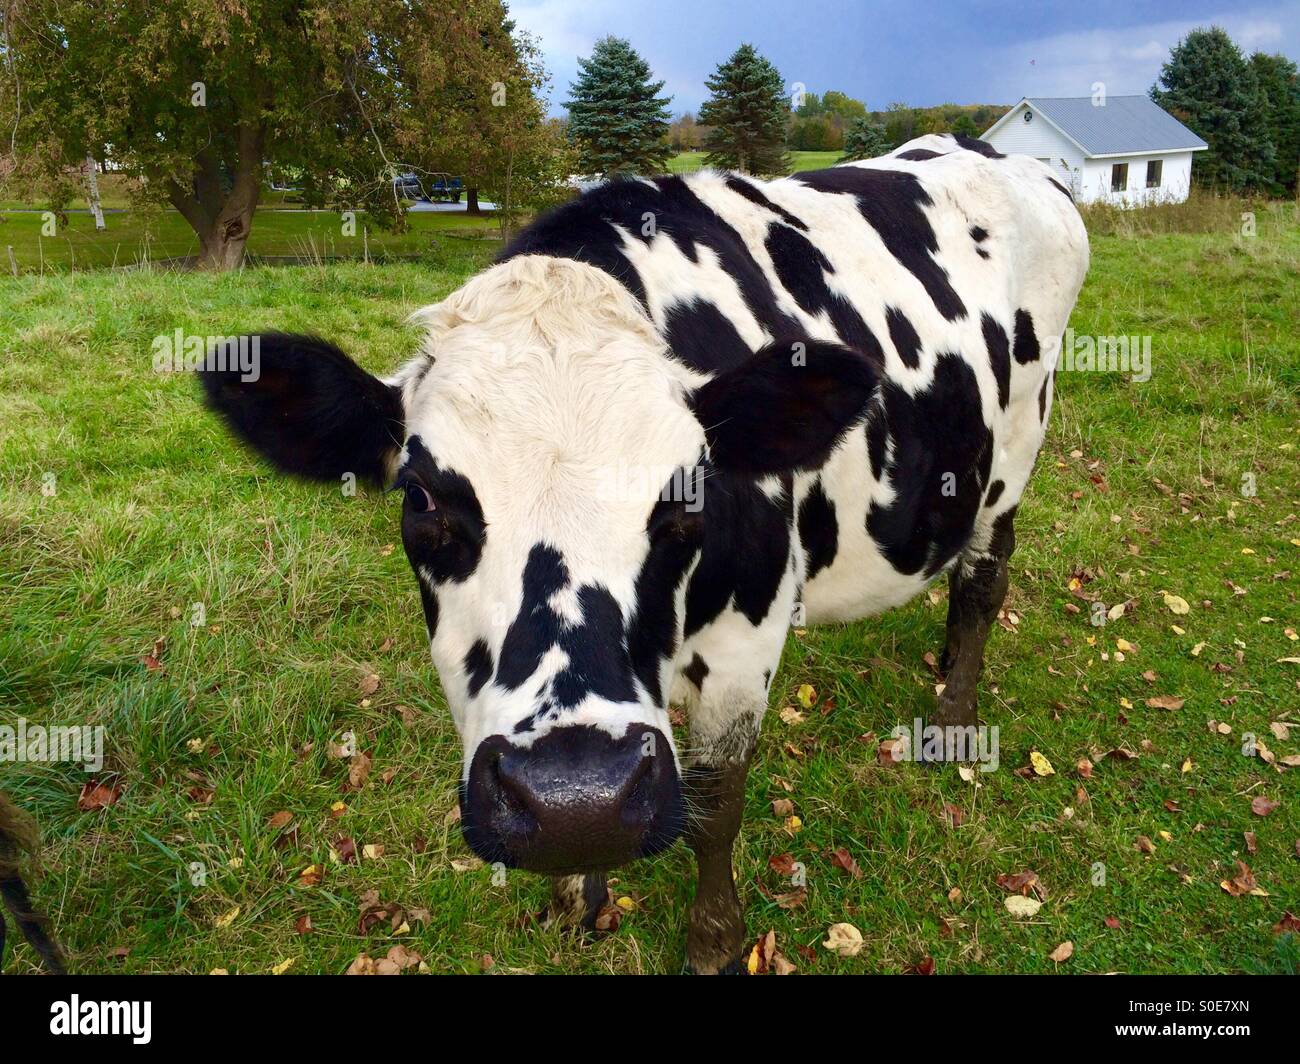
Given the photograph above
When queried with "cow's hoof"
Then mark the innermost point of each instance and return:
(736, 966)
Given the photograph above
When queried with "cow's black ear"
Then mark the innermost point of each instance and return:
(305, 406)
(786, 407)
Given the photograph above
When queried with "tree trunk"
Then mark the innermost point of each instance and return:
(92, 193)
(471, 201)
(222, 221)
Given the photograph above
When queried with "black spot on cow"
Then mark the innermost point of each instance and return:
(767, 677)
(700, 335)
(739, 511)
(802, 269)
(995, 339)
(877, 440)
(1042, 398)
(1025, 348)
(903, 334)
(918, 155)
(1061, 189)
(818, 529)
(599, 663)
(696, 671)
(980, 147)
(979, 234)
(592, 229)
(676, 534)
(751, 192)
(995, 493)
(893, 203)
(941, 455)
(429, 602)
(478, 666)
(443, 543)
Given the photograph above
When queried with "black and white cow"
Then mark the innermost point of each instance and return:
(675, 412)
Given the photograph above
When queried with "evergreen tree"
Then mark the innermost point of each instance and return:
(865, 140)
(1281, 90)
(747, 115)
(617, 119)
(1208, 85)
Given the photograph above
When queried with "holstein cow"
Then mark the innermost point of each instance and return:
(676, 412)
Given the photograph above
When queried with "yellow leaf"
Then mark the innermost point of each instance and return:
(806, 695)
(1019, 905)
(1166, 836)
(843, 939)
(1126, 646)
(283, 966)
(625, 903)
(1188, 766)
(793, 824)
(226, 919)
(1177, 630)
(1042, 766)
(1196, 650)
(1176, 603)
(1125, 703)
(752, 964)
(1247, 550)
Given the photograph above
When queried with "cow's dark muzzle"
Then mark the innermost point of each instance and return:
(577, 800)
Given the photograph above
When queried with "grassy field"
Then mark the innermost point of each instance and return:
(688, 161)
(212, 730)
(135, 237)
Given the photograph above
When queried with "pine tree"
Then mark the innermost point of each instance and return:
(1208, 85)
(1281, 90)
(617, 119)
(746, 115)
(865, 140)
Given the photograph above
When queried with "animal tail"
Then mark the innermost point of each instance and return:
(18, 836)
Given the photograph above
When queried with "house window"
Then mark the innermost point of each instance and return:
(1154, 168)
(1119, 177)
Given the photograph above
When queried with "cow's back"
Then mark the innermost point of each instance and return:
(951, 266)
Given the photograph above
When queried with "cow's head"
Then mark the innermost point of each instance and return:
(553, 465)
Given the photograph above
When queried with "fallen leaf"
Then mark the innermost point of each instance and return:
(1251, 845)
(279, 821)
(97, 794)
(1062, 953)
(369, 684)
(1019, 905)
(1144, 845)
(844, 940)
(841, 858)
(283, 966)
(1042, 766)
(1262, 806)
(227, 918)
(1176, 603)
(1166, 702)
(806, 695)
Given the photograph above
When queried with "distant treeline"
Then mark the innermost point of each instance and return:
(822, 122)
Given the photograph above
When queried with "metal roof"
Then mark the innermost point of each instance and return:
(1123, 125)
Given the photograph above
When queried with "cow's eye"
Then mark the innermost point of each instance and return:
(419, 500)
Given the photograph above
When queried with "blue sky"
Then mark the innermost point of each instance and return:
(919, 52)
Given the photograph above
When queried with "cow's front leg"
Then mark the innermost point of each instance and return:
(714, 789)
(977, 587)
(576, 901)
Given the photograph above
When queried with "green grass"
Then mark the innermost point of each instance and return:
(689, 161)
(156, 509)
(134, 237)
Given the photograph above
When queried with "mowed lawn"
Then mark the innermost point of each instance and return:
(687, 162)
(220, 791)
(134, 238)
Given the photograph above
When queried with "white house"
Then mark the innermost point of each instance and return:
(1120, 149)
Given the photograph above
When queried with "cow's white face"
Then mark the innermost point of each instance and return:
(552, 514)
(552, 460)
